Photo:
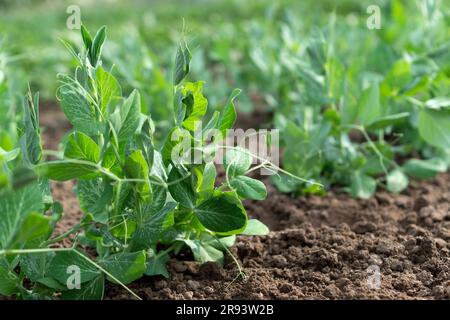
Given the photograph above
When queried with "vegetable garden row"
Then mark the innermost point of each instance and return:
(361, 114)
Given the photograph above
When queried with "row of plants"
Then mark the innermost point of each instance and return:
(357, 108)
(358, 113)
(141, 203)
(373, 113)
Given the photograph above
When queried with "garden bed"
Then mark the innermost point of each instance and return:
(319, 247)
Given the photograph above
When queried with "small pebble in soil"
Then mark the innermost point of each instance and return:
(160, 284)
(397, 266)
(331, 291)
(285, 288)
(181, 287)
(364, 227)
(438, 292)
(188, 295)
(420, 203)
(210, 270)
(402, 201)
(438, 215)
(342, 283)
(193, 285)
(208, 290)
(279, 261)
(375, 260)
(411, 218)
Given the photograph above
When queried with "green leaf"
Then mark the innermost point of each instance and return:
(207, 178)
(34, 226)
(434, 127)
(126, 267)
(181, 189)
(369, 105)
(51, 283)
(182, 60)
(94, 197)
(130, 113)
(179, 109)
(256, 228)
(63, 261)
(92, 290)
(361, 185)
(424, 169)
(223, 214)
(64, 170)
(97, 45)
(76, 107)
(196, 104)
(151, 227)
(178, 139)
(228, 115)
(108, 88)
(397, 181)
(87, 38)
(36, 265)
(249, 188)
(397, 78)
(9, 281)
(14, 211)
(145, 141)
(137, 168)
(156, 265)
(237, 161)
(30, 141)
(159, 198)
(80, 146)
(9, 155)
(387, 121)
(204, 252)
(219, 243)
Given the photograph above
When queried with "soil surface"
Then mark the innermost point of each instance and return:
(331, 247)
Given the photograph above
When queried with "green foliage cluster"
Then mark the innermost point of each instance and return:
(140, 204)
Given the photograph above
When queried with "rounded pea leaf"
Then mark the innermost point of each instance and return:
(66, 170)
(397, 181)
(222, 214)
(362, 186)
(92, 290)
(237, 161)
(424, 169)
(256, 228)
(249, 188)
(387, 121)
(156, 265)
(181, 189)
(434, 127)
(82, 147)
(204, 252)
(126, 267)
(66, 263)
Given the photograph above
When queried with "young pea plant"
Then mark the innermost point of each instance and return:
(140, 203)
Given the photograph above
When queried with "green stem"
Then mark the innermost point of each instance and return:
(64, 235)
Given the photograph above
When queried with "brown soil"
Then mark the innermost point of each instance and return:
(319, 247)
